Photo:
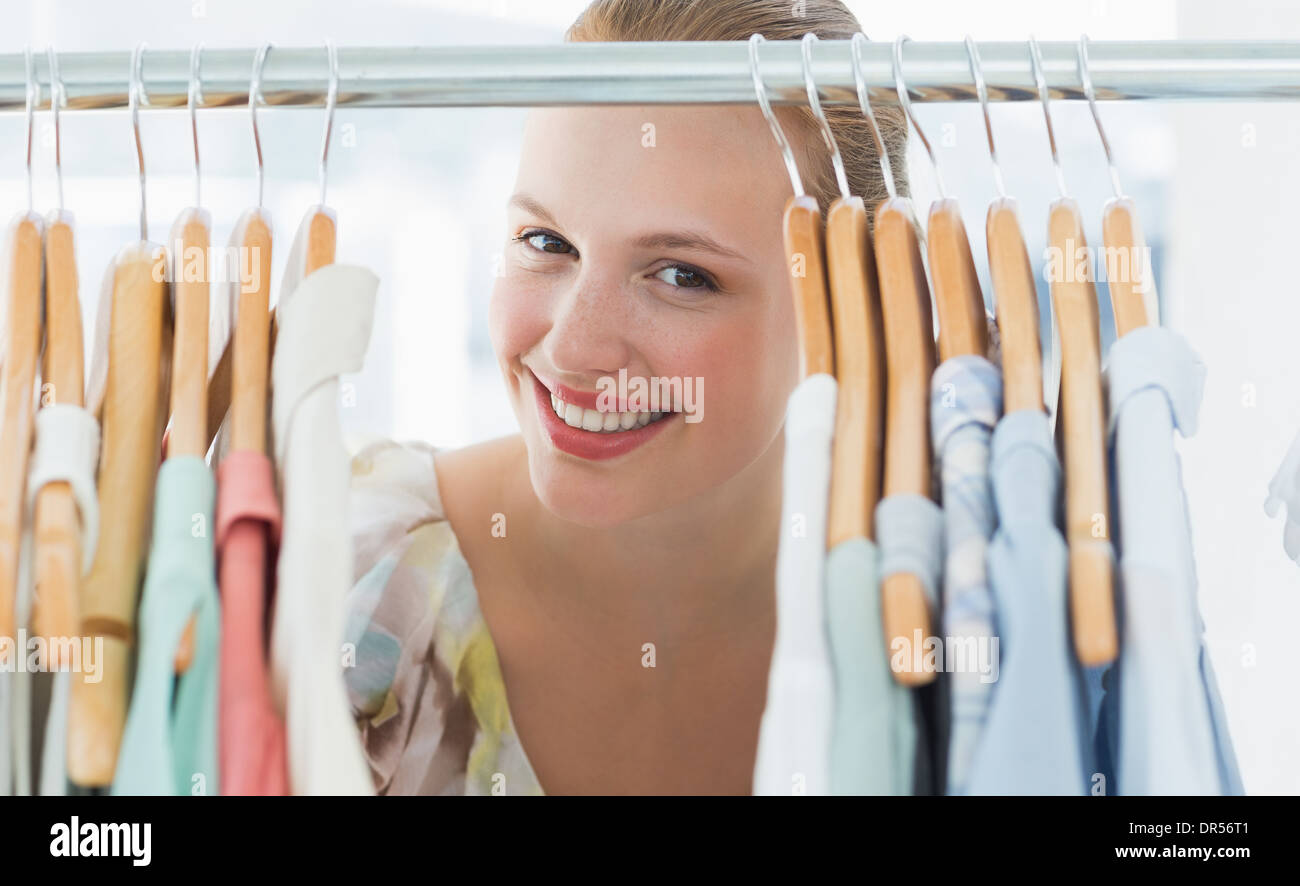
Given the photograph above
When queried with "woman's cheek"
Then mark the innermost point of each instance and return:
(517, 317)
(738, 401)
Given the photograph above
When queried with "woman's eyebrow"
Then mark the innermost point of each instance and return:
(662, 240)
(531, 205)
(673, 240)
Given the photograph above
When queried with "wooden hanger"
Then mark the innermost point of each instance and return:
(22, 345)
(57, 528)
(321, 239)
(1074, 299)
(1015, 293)
(957, 296)
(189, 386)
(134, 407)
(251, 343)
(910, 362)
(320, 249)
(1131, 285)
(192, 293)
(57, 534)
(1016, 299)
(1083, 419)
(909, 350)
(1129, 292)
(132, 430)
(17, 384)
(859, 370)
(806, 265)
(963, 328)
(846, 333)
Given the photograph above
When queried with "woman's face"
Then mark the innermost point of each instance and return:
(647, 240)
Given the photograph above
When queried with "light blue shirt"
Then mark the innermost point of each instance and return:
(965, 402)
(169, 745)
(873, 739)
(1172, 736)
(1034, 738)
(909, 532)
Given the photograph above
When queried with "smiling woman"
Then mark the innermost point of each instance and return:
(598, 588)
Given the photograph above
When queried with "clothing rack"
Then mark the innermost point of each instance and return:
(661, 73)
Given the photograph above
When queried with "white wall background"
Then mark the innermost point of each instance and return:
(1213, 184)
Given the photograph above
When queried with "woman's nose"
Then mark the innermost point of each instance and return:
(591, 327)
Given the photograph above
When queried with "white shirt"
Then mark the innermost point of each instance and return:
(324, 328)
(794, 739)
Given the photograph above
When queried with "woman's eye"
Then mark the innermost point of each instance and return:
(544, 242)
(684, 278)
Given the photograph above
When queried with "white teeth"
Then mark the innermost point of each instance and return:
(601, 422)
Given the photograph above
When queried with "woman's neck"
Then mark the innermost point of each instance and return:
(696, 570)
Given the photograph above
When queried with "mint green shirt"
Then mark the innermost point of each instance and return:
(170, 742)
(873, 739)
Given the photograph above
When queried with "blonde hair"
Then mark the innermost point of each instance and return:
(617, 21)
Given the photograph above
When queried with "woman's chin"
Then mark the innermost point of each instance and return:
(571, 491)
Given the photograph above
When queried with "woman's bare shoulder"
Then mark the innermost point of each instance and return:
(472, 478)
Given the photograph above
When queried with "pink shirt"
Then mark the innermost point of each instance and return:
(251, 739)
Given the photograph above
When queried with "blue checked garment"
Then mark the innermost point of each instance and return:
(965, 402)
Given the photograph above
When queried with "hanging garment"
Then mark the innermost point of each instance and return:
(1284, 492)
(1172, 738)
(909, 530)
(794, 736)
(169, 745)
(324, 328)
(252, 743)
(66, 451)
(965, 403)
(1034, 739)
(427, 688)
(873, 739)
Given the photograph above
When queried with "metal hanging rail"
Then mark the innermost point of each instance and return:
(663, 73)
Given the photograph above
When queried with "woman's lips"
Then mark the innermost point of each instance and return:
(592, 445)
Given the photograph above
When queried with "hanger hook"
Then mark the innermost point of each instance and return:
(1086, 76)
(331, 98)
(1036, 60)
(761, 91)
(864, 101)
(135, 97)
(981, 90)
(56, 100)
(32, 96)
(193, 99)
(814, 102)
(906, 102)
(254, 87)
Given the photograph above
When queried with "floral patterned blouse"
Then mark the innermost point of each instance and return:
(425, 685)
